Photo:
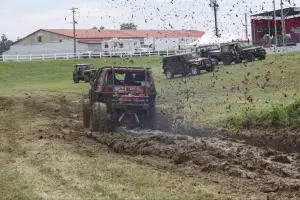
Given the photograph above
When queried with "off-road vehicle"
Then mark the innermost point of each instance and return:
(81, 71)
(120, 96)
(211, 51)
(89, 75)
(186, 63)
(237, 52)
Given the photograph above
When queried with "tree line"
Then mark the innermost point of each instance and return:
(124, 26)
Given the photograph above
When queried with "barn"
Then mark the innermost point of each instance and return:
(50, 41)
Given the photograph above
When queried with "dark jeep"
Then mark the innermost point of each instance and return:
(89, 75)
(211, 51)
(81, 72)
(120, 96)
(186, 63)
(237, 52)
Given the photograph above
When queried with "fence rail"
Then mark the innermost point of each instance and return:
(57, 56)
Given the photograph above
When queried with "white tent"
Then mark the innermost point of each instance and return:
(212, 39)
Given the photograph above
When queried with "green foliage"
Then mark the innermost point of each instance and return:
(128, 26)
(4, 44)
(277, 115)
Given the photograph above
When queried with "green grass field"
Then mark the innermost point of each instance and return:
(208, 98)
(32, 92)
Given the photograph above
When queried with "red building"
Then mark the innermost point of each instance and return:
(263, 24)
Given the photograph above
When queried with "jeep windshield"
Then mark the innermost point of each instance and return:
(128, 78)
(190, 56)
(84, 66)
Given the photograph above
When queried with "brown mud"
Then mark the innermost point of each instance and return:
(248, 163)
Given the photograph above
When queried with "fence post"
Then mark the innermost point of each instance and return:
(100, 54)
(67, 56)
(149, 52)
(17, 57)
(140, 54)
(54, 56)
(167, 52)
(30, 57)
(43, 56)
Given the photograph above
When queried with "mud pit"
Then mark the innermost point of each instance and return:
(245, 166)
(277, 173)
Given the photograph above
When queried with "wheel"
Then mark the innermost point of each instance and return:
(75, 80)
(194, 70)
(149, 120)
(211, 68)
(250, 57)
(98, 117)
(169, 74)
(227, 60)
(86, 109)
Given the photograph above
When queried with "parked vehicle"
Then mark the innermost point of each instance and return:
(185, 64)
(237, 52)
(120, 96)
(81, 72)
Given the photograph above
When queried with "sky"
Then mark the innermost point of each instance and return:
(19, 18)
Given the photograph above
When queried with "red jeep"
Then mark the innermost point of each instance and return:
(120, 96)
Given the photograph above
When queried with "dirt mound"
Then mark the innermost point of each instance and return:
(211, 155)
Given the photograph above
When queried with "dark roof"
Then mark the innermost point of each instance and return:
(291, 11)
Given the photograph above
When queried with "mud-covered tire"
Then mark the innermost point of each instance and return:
(227, 60)
(149, 121)
(194, 70)
(169, 74)
(75, 80)
(98, 117)
(86, 110)
(250, 57)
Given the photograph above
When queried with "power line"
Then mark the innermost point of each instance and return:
(73, 9)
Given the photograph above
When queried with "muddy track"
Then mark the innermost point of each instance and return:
(277, 171)
(237, 156)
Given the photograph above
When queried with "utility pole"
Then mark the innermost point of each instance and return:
(246, 26)
(282, 24)
(275, 24)
(215, 6)
(74, 33)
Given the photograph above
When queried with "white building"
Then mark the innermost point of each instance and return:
(50, 41)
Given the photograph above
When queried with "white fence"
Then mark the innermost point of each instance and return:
(57, 56)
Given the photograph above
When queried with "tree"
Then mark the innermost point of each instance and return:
(128, 26)
(4, 44)
(101, 28)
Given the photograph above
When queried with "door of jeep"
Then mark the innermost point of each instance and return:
(184, 65)
(176, 65)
